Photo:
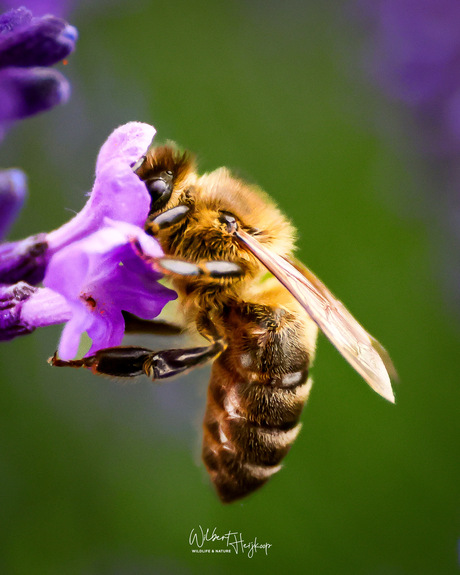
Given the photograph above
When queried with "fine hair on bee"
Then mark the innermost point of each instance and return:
(229, 253)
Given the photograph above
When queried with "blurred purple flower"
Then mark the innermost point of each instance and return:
(28, 46)
(13, 191)
(11, 302)
(91, 265)
(413, 54)
(24, 260)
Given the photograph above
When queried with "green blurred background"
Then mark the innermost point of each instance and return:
(98, 477)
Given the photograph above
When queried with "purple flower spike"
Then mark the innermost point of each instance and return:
(13, 192)
(99, 277)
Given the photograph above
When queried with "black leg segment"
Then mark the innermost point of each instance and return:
(133, 361)
(171, 362)
(134, 324)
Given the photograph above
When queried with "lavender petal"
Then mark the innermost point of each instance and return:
(45, 307)
(44, 42)
(117, 193)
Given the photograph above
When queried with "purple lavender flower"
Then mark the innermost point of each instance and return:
(117, 194)
(99, 277)
(91, 265)
(28, 46)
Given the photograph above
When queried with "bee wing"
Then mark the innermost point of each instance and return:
(358, 347)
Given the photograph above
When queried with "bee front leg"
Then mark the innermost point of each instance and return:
(166, 219)
(132, 361)
(212, 269)
(183, 267)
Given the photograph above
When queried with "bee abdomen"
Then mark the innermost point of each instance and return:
(249, 428)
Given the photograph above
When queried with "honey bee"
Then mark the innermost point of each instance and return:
(229, 253)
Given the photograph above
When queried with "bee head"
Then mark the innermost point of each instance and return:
(162, 169)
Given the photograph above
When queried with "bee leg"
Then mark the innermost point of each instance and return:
(134, 324)
(213, 269)
(182, 267)
(133, 361)
(171, 362)
(166, 219)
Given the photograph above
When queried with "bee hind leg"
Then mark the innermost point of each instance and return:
(132, 361)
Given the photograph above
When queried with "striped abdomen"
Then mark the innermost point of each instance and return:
(258, 388)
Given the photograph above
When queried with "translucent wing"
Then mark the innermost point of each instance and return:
(358, 347)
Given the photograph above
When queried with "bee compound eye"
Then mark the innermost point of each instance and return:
(160, 190)
(157, 188)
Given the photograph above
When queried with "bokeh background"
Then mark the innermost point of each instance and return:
(100, 477)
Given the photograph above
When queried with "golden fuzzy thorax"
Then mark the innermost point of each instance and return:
(204, 237)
